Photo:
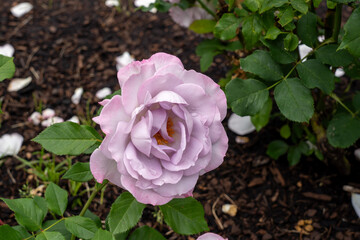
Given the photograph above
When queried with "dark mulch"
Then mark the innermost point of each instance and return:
(75, 44)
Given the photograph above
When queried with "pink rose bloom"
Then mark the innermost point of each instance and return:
(210, 236)
(185, 17)
(163, 132)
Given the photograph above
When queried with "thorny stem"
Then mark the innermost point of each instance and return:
(203, 5)
(337, 22)
(87, 204)
(45, 229)
(337, 99)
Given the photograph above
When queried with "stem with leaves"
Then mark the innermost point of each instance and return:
(337, 22)
(206, 8)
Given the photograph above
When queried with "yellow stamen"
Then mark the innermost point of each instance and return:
(169, 128)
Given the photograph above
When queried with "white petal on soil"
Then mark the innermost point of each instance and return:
(21, 9)
(7, 50)
(18, 83)
(74, 119)
(357, 154)
(112, 3)
(102, 93)
(355, 200)
(50, 121)
(48, 113)
(304, 50)
(240, 125)
(77, 95)
(321, 38)
(123, 60)
(10, 144)
(339, 72)
(35, 118)
(145, 3)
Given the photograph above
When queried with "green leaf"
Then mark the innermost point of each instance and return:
(278, 53)
(294, 155)
(7, 67)
(316, 3)
(58, 227)
(343, 1)
(146, 232)
(56, 198)
(285, 131)
(27, 212)
(226, 27)
(294, 100)
(185, 216)
(79, 172)
(353, 71)
(314, 74)
(343, 130)
(207, 50)
(261, 119)
(93, 217)
(272, 33)
(261, 64)
(251, 29)
(202, 26)
(351, 40)
(253, 5)
(125, 212)
(268, 4)
(291, 41)
(22, 231)
(246, 97)
(300, 5)
(81, 227)
(307, 29)
(6, 232)
(117, 92)
(50, 236)
(104, 235)
(276, 149)
(286, 17)
(67, 138)
(356, 101)
(330, 4)
(328, 54)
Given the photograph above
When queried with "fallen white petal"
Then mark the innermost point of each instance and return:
(123, 60)
(10, 144)
(50, 121)
(321, 38)
(7, 50)
(240, 125)
(304, 50)
(21, 9)
(311, 145)
(145, 3)
(112, 3)
(102, 93)
(357, 154)
(74, 119)
(35, 118)
(339, 72)
(355, 200)
(48, 113)
(19, 83)
(77, 95)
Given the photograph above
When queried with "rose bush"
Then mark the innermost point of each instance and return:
(162, 132)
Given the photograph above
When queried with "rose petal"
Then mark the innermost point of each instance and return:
(74, 119)
(168, 177)
(7, 50)
(240, 125)
(140, 135)
(102, 93)
(75, 98)
(185, 17)
(145, 3)
(186, 184)
(112, 3)
(210, 236)
(35, 118)
(50, 121)
(304, 50)
(21, 9)
(355, 201)
(48, 113)
(339, 72)
(18, 83)
(219, 149)
(10, 144)
(123, 60)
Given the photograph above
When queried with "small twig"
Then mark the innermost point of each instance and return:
(28, 61)
(218, 222)
(10, 175)
(36, 75)
(22, 24)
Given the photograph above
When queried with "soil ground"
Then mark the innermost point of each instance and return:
(74, 44)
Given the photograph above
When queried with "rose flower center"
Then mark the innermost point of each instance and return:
(170, 131)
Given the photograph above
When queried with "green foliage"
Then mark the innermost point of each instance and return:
(251, 30)
(203, 26)
(300, 5)
(185, 216)
(343, 130)
(329, 54)
(50, 236)
(7, 67)
(8, 233)
(246, 97)
(226, 27)
(285, 131)
(56, 198)
(146, 232)
(261, 63)
(68, 138)
(125, 213)
(277, 148)
(79, 172)
(103, 235)
(351, 40)
(294, 100)
(291, 42)
(314, 74)
(81, 227)
(261, 119)
(307, 29)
